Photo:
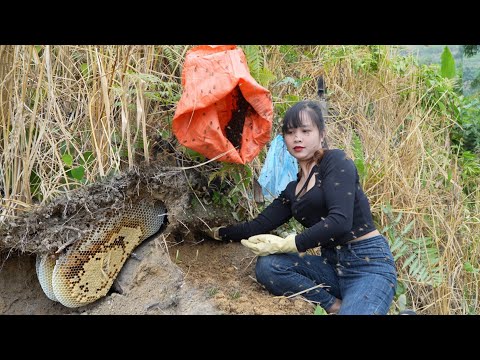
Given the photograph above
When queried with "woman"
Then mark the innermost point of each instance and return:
(355, 273)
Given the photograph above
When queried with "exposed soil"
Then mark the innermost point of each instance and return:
(207, 277)
(225, 273)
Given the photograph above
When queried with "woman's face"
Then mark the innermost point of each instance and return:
(304, 141)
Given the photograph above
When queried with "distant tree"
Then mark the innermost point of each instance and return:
(470, 50)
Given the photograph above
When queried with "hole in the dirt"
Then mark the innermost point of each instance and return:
(116, 288)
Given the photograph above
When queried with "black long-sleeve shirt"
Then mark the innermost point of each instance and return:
(333, 212)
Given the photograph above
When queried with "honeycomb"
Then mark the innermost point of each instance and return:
(87, 270)
(44, 266)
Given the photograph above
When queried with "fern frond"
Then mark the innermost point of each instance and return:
(265, 77)
(420, 258)
(359, 156)
(254, 60)
(174, 55)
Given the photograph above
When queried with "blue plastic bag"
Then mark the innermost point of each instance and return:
(278, 170)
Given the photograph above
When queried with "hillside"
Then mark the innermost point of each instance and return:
(86, 138)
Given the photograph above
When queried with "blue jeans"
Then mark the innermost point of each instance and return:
(362, 274)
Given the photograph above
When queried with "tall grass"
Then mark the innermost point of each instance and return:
(73, 114)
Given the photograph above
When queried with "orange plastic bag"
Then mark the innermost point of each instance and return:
(222, 108)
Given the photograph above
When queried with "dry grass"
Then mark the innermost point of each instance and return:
(78, 99)
(109, 100)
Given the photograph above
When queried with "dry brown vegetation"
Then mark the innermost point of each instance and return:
(105, 106)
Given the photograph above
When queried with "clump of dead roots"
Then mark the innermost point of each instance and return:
(54, 226)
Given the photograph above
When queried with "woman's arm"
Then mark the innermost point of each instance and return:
(274, 215)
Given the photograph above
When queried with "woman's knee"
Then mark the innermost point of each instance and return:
(272, 266)
(264, 268)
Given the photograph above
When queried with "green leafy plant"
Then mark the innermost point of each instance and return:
(212, 292)
(35, 183)
(439, 94)
(74, 172)
(74, 166)
(447, 69)
(235, 294)
(359, 157)
(173, 56)
(319, 311)
(371, 58)
(470, 165)
(466, 132)
(235, 189)
(290, 53)
(419, 257)
(256, 66)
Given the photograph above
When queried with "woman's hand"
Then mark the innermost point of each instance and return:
(266, 244)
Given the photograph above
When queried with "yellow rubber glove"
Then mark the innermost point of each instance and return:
(266, 244)
(213, 232)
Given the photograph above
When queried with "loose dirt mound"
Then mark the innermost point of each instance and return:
(226, 274)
